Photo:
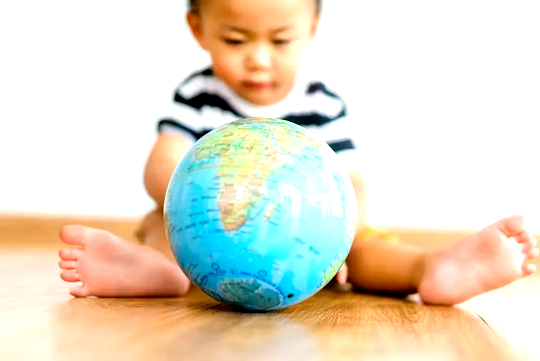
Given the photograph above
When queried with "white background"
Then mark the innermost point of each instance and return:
(446, 96)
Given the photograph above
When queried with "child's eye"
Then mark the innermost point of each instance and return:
(233, 41)
(281, 41)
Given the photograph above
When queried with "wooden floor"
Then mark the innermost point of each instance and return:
(40, 321)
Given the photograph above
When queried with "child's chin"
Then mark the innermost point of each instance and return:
(262, 98)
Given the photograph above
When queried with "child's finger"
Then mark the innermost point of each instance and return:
(343, 274)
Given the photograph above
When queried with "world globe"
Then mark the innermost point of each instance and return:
(259, 214)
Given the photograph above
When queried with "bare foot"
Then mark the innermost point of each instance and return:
(108, 266)
(490, 259)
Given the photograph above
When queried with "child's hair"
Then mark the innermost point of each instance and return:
(194, 8)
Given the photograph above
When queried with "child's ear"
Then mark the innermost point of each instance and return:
(194, 22)
(315, 25)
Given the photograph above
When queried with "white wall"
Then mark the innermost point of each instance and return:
(447, 97)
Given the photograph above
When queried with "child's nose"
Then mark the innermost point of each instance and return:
(260, 57)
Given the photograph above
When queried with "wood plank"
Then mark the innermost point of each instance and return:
(513, 313)
(41, 321)
(42, 231)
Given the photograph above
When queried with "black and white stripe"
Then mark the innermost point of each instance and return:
(202, 103)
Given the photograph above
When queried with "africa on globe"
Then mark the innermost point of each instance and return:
(259, 214)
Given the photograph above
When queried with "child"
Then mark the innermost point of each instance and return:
(256, 49)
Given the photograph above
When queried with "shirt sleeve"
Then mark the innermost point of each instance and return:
(184, 114)
(333, 124)
(181, 118)
(340, 136)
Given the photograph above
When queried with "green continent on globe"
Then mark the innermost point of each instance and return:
(248, 152)
(331, 271)
(249, 293)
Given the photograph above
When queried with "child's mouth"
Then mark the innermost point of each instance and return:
(257, 86)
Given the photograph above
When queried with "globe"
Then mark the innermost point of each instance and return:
(259, 214)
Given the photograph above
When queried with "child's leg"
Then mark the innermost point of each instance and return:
(151, 233)
(487, 260)
(112, 267)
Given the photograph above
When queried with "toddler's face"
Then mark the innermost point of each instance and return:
(256, 45)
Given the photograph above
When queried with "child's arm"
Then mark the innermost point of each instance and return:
(168, 151)
(360, 192)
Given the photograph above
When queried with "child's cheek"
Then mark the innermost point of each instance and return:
(228, 67)
(291, 58)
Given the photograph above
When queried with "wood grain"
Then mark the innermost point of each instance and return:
(42, 231)
(40, 321)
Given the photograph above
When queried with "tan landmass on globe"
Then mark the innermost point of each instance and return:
(269, 211)
(248, 155)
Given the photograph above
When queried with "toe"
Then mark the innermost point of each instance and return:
(527, 242)
(532, 240)
(69, 254)
(526, 237)
(526, 247)
(79, 291)
(511, 226)
(67, 264)
(532, 254)
(343, 274)
(528, 269)
(70, 275)
(72, 235)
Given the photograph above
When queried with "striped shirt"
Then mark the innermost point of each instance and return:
(202, 102)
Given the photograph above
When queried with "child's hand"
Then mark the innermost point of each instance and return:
(342, 274)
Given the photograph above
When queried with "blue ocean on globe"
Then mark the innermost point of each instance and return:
(259, 214)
